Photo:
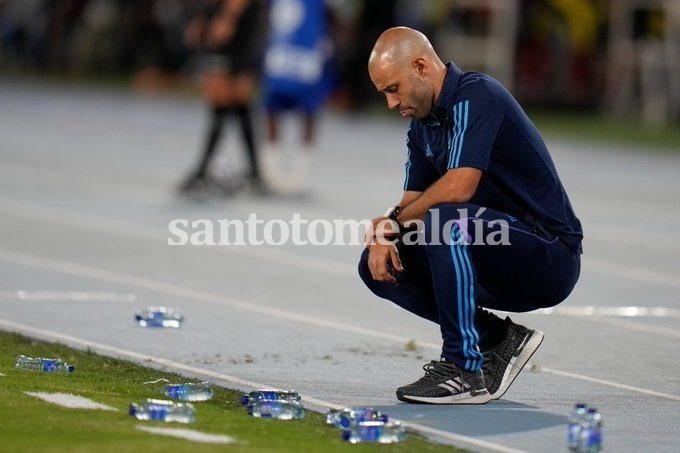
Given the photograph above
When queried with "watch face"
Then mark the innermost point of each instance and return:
(393, 212)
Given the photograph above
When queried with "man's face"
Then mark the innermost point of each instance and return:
(404, 89)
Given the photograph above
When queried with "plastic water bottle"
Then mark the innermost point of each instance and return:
(269, 395)
(160, 317)
(280, 409)
(44, 365)
(201, 391)
(574, 428)
(591, 432)
(375, 431)
(344, 418)
(281, 404)
(164, 410)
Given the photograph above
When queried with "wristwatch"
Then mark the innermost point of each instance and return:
(393, 213)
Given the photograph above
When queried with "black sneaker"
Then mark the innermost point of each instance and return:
(445, 383)
(195, 185)
(503, 363)
(203, 187)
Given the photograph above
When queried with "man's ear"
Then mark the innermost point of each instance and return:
(420, 65)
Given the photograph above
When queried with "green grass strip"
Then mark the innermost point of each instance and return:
(29, 424)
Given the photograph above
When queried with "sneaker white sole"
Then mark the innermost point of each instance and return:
(465, 398)
(517, 363)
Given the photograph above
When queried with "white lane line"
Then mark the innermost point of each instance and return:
(86, 271)
(171, 365)
(610, 384)
(632, 325)
(160, 236)
(126, 229)
(623, 311)
(188, 434)
(71, 296)
(71, 401)
(109, 350)
(616, 316)
(174, 290)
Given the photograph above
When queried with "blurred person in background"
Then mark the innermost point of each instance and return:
(560, 53)
(153, 46)
(498, 230)
(227, 34)
(39, 34)
(373, 17)
(296, 77)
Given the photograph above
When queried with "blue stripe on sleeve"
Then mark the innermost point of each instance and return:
(407, 167)
(462, 134)
(452, 144)
(460, 119)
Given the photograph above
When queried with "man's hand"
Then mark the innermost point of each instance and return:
(382, 230)
(383, 260)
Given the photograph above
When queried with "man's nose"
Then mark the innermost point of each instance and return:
(392, 101)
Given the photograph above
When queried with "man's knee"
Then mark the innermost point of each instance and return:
(364, 271)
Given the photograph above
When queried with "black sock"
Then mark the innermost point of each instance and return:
(243, 113)
(212, 138)
(491, 328)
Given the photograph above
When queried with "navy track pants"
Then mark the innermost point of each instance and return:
(471, 257)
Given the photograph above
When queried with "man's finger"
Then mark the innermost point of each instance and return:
(396, 260)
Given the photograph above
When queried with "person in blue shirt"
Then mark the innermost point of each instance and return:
(484, 222)
(296, 78)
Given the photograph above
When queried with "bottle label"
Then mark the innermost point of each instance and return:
(266, 410)
(572, 434)
(176, 391)
(594, 441)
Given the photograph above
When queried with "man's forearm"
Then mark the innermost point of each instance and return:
(456, 186)
(417, 208)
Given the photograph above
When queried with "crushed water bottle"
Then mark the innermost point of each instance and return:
(375, 431)
(281, 409)
(280, 404)
(44, 365)
(269, 395)
(574, 427)
(163, 410)
(349, 416)
(590, 437)
(201, 391)
(160, 317)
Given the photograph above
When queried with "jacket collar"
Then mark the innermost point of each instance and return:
(446, 96)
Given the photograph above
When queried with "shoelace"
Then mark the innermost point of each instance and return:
(436, 370)
(487, 361)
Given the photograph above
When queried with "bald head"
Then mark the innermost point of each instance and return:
(404, 66)
(398, 46)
